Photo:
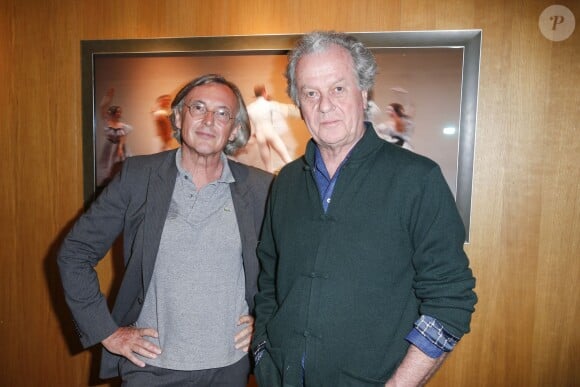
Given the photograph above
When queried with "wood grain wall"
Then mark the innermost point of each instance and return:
(526, 205)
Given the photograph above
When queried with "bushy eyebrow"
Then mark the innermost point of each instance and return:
(196, 101)
(333, 84)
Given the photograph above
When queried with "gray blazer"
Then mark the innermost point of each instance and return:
(135, 203)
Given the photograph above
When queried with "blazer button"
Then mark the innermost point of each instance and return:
(140, 300)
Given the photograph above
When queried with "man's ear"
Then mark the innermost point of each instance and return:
(365, 96)
(234, 133)
(177, 117)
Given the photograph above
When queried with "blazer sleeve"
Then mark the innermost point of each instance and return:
(85, 245)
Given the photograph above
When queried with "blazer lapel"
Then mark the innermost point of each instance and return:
(244, 209)
(158, 199)
(247, 225)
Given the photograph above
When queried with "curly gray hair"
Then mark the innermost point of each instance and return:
(364, 64)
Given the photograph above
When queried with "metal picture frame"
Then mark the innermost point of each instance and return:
(465, 42)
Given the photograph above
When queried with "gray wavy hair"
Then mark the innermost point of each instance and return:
(364, 64)
(241, 118)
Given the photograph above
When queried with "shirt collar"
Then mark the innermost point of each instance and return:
(321, 167)
(226, 176)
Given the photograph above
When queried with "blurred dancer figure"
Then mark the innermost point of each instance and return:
(400, 126)
(264, 115)
(161, 116)
(395, 124)
(114, 150)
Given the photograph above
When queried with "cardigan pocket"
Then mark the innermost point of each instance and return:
(266, 372)
(348, 379)
(269, 372)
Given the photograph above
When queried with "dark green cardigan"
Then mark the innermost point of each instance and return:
(345, 287)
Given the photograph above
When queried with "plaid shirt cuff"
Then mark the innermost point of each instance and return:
(431, 338)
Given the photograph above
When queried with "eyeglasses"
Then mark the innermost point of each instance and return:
(199, 110)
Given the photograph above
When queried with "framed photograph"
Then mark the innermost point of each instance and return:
(426, 86)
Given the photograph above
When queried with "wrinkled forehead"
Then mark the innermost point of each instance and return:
(331, 62)
(213, 95)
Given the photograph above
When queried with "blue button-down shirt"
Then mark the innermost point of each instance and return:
(324, 182)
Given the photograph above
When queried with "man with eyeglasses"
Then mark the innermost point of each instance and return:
(190, 220)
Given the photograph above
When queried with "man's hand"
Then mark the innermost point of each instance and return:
(127, 341)
(244, 337)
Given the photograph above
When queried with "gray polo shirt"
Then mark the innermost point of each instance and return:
(197, 291)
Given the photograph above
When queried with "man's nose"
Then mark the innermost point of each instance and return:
(209, 117)
(326, 105)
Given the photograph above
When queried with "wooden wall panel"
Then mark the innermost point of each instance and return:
(526, 203)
